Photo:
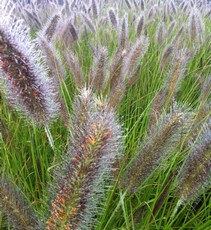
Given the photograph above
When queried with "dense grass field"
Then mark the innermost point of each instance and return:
(105, 115)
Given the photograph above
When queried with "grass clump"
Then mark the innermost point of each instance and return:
(105, 115)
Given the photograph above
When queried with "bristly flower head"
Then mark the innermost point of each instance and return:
(95, 146)
(113, 18)
(23, 76)
(196, 27)
(15, 208)
(157, 147)
(197, 169)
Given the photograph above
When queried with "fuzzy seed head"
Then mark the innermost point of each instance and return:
(140, 25)
(196, 173)
(166, 55)
(98, 72)
(156, 148)
(137, 52)
(51, 27)
(94, 148)
(113, 18)
(24, 79)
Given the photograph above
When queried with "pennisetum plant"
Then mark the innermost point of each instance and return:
(90, 162)
(95, 147)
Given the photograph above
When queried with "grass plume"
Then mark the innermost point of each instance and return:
(95, 145)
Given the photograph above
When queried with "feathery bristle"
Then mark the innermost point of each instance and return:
(56, 70)
(128, 4)
(205, 92)
(176, 40)
(66, 33)
(131, 79)
(155, 111)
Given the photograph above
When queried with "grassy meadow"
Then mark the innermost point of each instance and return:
(105, 115)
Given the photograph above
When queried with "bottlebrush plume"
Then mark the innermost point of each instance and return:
(142, 5)
(113, 19)
(116, 68)
(66, 32)
(205, 91)
(75, 68)
(156, 110)
(166, 55)
(123, 33)
(140, 25)
(196, 173)
(137, 51)
(173, 7)
(160, 34)
(196, 27)
(95, 146)
(56, 70)
(177, 39)
(117, 94)
(88, 22)
(23, 76)
(56, 73)
(98, 72)
(15, 208)
(179, 61)
(50, 28)
(156, 147)
(95, 9)
(128, 4)
(171, 27)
